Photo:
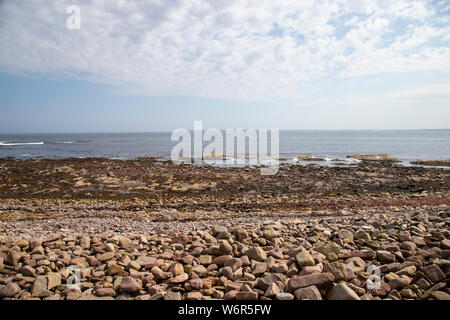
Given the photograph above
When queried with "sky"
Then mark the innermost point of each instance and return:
(158, 65)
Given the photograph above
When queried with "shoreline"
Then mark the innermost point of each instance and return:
(149, 230)
(320, 160)
(145, 185)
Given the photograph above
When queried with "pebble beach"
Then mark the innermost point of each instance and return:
(149, 230)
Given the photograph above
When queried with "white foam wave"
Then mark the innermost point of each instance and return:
(352, 160)
(8, 144)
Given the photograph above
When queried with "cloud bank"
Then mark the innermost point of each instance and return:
(243, 49)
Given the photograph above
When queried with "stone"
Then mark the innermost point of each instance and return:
(316, 279)
(124, 241)
(39, 285)
(398, 283)
(9, 290)
(146, 261)
(13, 258)
(304, 259)
(227, 272)
(110, 247)
(440, 295)
(85, 242)
(196, 284)
(259, 268)
(385, 256)
(339, 270)
(54, 297)
(225, 247)
(342, 292)
(409, 246)
(285, 296)
(361, 234)
(230, 295)
(134, 265)
(346, 235)
(272, 290)
(270, 234)
(256, 253)
(408, 270)
(279, 268)
(292, 271)
(327, 249)
(54, 280)
(176, 268)
(22, 243)
(308, 293)
(404, 236)
(356, 264)
(205, 259)
(178, 279)
(247, 295)
(170, 295)
(241, 234)
(35, 243)
(445, 244)
(106, 256)
(130, 285)
(220, 260)
(159, 274)
(235, 263)
(72, 294)
(105, 292)
(218, 229)
(194, 296)
(77, 260)
(318, 268)
(114, 269)
(423, 284)
(28, 271)
(158, 296)
(434, 273)
(199, 270)
(143, 239)
(408, 293)
(394, 295)
(157, 288)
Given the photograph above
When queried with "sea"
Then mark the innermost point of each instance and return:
(406, 145)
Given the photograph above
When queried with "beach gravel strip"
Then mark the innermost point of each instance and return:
(282, 259)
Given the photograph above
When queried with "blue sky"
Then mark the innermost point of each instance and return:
(160, 65)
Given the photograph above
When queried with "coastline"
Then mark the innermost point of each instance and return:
(143, 187)
(148, 230)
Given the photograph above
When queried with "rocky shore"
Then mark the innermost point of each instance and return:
(377, 256)
(163, 191)
(151, 230)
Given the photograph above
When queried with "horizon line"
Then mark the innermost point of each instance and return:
(134, 132)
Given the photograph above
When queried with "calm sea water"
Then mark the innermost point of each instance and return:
(405, 145)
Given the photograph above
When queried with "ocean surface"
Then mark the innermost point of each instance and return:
(406, 145)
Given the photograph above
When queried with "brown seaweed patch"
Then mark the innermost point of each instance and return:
(372, 157)
(437, 163)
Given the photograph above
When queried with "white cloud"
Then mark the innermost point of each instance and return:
(437, 94)
(244, 49)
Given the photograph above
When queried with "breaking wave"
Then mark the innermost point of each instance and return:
(9, 144)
